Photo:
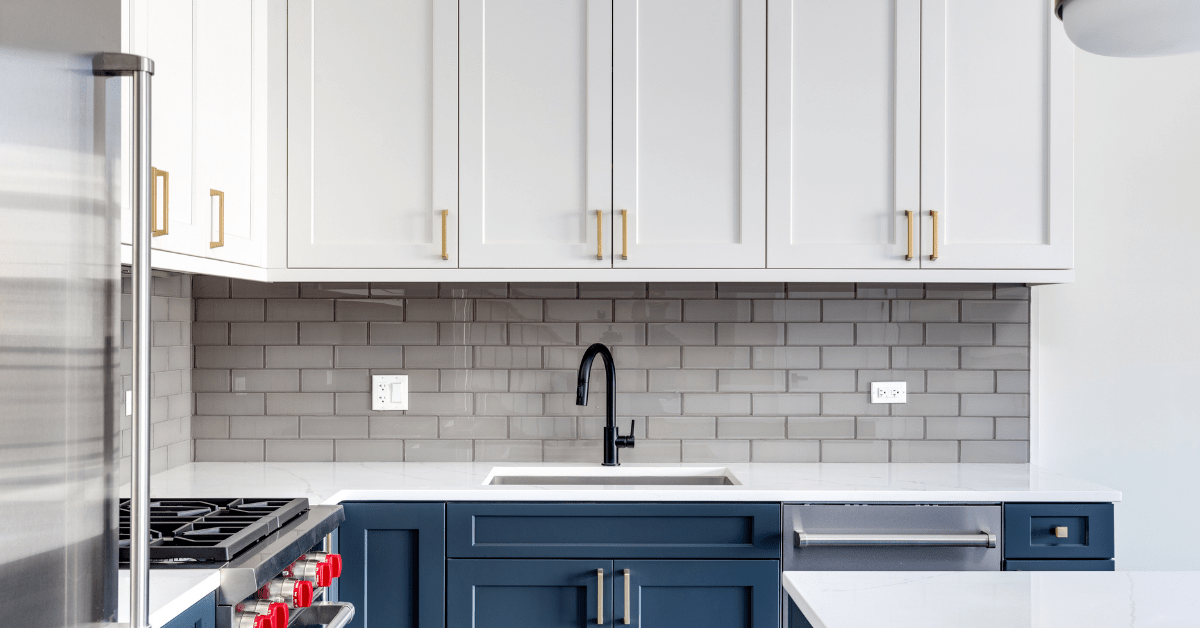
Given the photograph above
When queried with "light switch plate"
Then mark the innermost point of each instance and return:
(389, 392)
(889, 392)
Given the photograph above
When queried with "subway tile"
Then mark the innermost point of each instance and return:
(994, 451)
(229, 403)
(333, 427)
(1012, 428)
(179, 406)
(540, 427)
(658, 451)
(438, 357)
(368, 450)
(854, 357)
(374, 310)
(473, 380)
(245, 289)
(684, 334)
(402, 333)
(856, 311)
(716, 404)
(958, 427)
(995, 311)
(335, 333)
(437, 450)
(442, 403)
(562, 290)
(677, 380)
(299, 451)
(1012, 381)
(612, 333)
(821, 381)
(1012, 335)
(679, 427)
(368, 357)
(783, 404)
(890, 291)
(786, 311)
(334, 291)
(229, 450)
(785, 357)
(508, 357)
(927, 405)
(715, 450)
(785, 451)
(995, 405)
(207, 287)
(210, 380)
(751, 427)
(407, 426)
(265, 380)
(472, 427)
(651, 403)
(761, 334)
(821, 334)
(886, 427)
(419, 380)
(958, 334)
(467, 290)
(167, 284)
(168, 432)
(166, 383)
(473, 333)
(394, 290)
(647, 311)
(616, 290)
(752, 381)
(210, 333)
(914, 380)
(508, 451)
(928, 311)
(210, 427)
(851, 404)
(335, 380)
(542, 334)
(1012, 291)
(958, 291)
(229, 357)
(961, 381)
(179, 309)
(924, 451)
(158, 308)
(925, 357)
(300, 403)
(264, 427)
(995, 357)
(854, 451)
(356, 403)
(669, 290)
(750, 290)
(889, 334)
(298, 357)
(821, 290)
(262, 334)
(299, 309)
(230, 310)
(166, 333)
(435, 310)
(506, 310)
(716, 357)
(572, 451)
(569, 357)
(717, 310)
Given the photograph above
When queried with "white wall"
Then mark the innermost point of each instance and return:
(1119, 350)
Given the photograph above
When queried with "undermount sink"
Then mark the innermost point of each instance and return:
(612, 476)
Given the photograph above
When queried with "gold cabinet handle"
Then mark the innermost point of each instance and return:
(445, 251)
(624, 234)
(155, 173)
(908, 257)
(221, 219)
(599, 596)
(627, 596)
(599, 234)
(1060, 532)
(934, 255)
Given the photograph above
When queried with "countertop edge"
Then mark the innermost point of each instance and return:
(162, 615)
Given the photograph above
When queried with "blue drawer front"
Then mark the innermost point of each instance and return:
(532, 530)
(202, 614)
(1029, 531)
(1060, 565)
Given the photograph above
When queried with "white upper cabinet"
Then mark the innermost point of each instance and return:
(997, 94)
(535, 124)
(373, 134)
(844, 152)
(689, 133)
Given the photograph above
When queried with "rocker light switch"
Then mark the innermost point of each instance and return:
(389, 392)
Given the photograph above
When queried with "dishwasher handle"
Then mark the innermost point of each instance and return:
(978, 539)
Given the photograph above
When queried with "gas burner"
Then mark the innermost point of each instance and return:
(192, 532)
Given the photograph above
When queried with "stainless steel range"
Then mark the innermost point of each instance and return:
(274, 556)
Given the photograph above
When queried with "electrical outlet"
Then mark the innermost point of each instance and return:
(889, 392)
(389, 392)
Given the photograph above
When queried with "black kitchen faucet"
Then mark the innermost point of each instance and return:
(613, 440)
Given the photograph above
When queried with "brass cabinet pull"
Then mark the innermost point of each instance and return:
(155, 173)
(624, 234)
(599, 596)
(599, 234)
(221, 204)
(1061, 532)
(627, 596)
(934, 256)
(908, 257)
(445, 252)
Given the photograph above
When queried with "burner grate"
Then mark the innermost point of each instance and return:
(189, 531)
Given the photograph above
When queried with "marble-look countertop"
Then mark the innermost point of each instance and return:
(335, 482)
(995, 599)
(172, 591)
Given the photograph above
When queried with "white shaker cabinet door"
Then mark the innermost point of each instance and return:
(844, 146)
(997, 106)
(689, 136)
(535, 106)
(372, 134)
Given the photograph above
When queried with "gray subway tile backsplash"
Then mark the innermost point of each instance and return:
(710, 372)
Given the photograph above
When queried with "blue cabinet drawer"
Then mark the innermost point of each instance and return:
(1100, 564)
(1062, 531)
(612, 530)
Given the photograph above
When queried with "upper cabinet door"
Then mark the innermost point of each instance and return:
(689, 140)
(844, 147)
(997, 92)
(535, 122)
(372, 134)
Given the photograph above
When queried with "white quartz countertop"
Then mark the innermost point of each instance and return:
(995, 599)
(172, 591)
(335, 482)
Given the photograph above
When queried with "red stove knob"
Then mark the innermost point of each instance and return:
(324, 577)
(250, 619)
(294, 593)
(304, 594)
(278, 611)
(335, 564)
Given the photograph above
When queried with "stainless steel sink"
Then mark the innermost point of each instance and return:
(603, 476)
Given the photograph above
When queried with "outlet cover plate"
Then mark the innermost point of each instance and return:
(889, 392)
(389, 392)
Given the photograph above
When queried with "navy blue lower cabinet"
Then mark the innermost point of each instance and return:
(1058, 531)
(202, 614)
(513, 593)
(697, 593)
(394, 563)
(1060, 565)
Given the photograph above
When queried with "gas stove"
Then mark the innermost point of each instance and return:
(201, 532)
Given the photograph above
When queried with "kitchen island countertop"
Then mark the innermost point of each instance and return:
(172, 591)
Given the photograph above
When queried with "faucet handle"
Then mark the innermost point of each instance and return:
(626, 441)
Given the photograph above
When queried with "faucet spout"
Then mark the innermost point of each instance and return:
(612, 437)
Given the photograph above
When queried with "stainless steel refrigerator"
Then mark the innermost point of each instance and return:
(60, 182)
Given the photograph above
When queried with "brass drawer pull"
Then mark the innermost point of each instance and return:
(1061, 532)
(599, 234)
(624, 234)
(908, 257)
(220, 241)
(934, 255)
(155, 173)
(599, 596)
(445, 252)
(627, 620)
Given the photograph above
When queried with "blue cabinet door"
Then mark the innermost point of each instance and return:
(202, 614)
(697, 593)
(394, 564)
(513, 593)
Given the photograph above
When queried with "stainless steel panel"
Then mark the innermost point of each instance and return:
(924, 522)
